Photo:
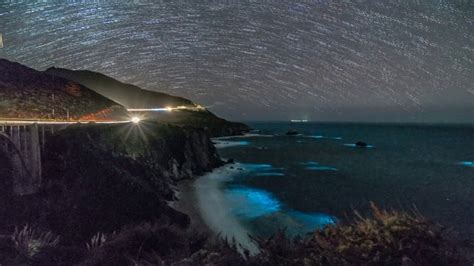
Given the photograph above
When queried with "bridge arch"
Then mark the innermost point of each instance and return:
(21, 150)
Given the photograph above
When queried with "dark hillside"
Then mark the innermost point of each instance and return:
(132, 96)
(29, 94)
(127, 95)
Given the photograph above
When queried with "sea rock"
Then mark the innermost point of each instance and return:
(361, 144)
(292, 133)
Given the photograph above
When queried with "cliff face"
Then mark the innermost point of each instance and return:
(99, 178)
(106, 178)
(117, 175)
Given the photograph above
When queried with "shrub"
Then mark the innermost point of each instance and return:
(96, 241)
(168, 241)
(29, 242)
(388, 238)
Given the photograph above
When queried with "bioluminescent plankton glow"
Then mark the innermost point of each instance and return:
(253, 202)
(270, 174)
(467, 163)
(322, 168)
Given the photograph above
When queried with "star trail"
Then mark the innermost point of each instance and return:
(276, 60)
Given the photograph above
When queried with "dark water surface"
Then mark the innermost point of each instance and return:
(319, 177)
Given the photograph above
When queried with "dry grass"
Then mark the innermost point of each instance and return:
(96, 241)
(386, 238)
(29, 242)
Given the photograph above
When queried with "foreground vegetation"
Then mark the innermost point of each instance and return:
(386, 238)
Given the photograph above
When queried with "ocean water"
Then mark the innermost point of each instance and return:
(319, 177)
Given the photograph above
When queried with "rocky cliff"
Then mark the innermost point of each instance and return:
(116, 175)
(102, 178)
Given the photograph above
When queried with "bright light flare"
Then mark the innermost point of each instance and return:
(135, 120)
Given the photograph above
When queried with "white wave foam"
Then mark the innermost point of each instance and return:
(215, 209)
(220, 144)
(244, 136)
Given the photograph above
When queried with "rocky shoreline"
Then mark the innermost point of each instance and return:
(104, 178)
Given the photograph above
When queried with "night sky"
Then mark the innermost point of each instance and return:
(408, 61)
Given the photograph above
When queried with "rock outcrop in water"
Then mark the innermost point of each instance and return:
(361, 144)
(292, 133)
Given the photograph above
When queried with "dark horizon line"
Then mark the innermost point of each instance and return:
(363, 122)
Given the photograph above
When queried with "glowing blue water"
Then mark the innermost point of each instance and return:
(227, 143)
(312, 221)
(310, 163)
(321, 168)
(251, 203)
(404, 165)
(270, 174)
(324, 137)
(315, 166)
(256, 167)
(466, 163)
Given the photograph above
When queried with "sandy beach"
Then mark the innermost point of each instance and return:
(204, 201)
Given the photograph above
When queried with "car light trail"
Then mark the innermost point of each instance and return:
(41, 122)
(167, 109)
(150, 109)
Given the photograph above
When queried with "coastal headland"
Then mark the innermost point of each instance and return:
(108, 191)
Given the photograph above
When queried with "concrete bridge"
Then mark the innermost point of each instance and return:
(23, 143)
(24, 146)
